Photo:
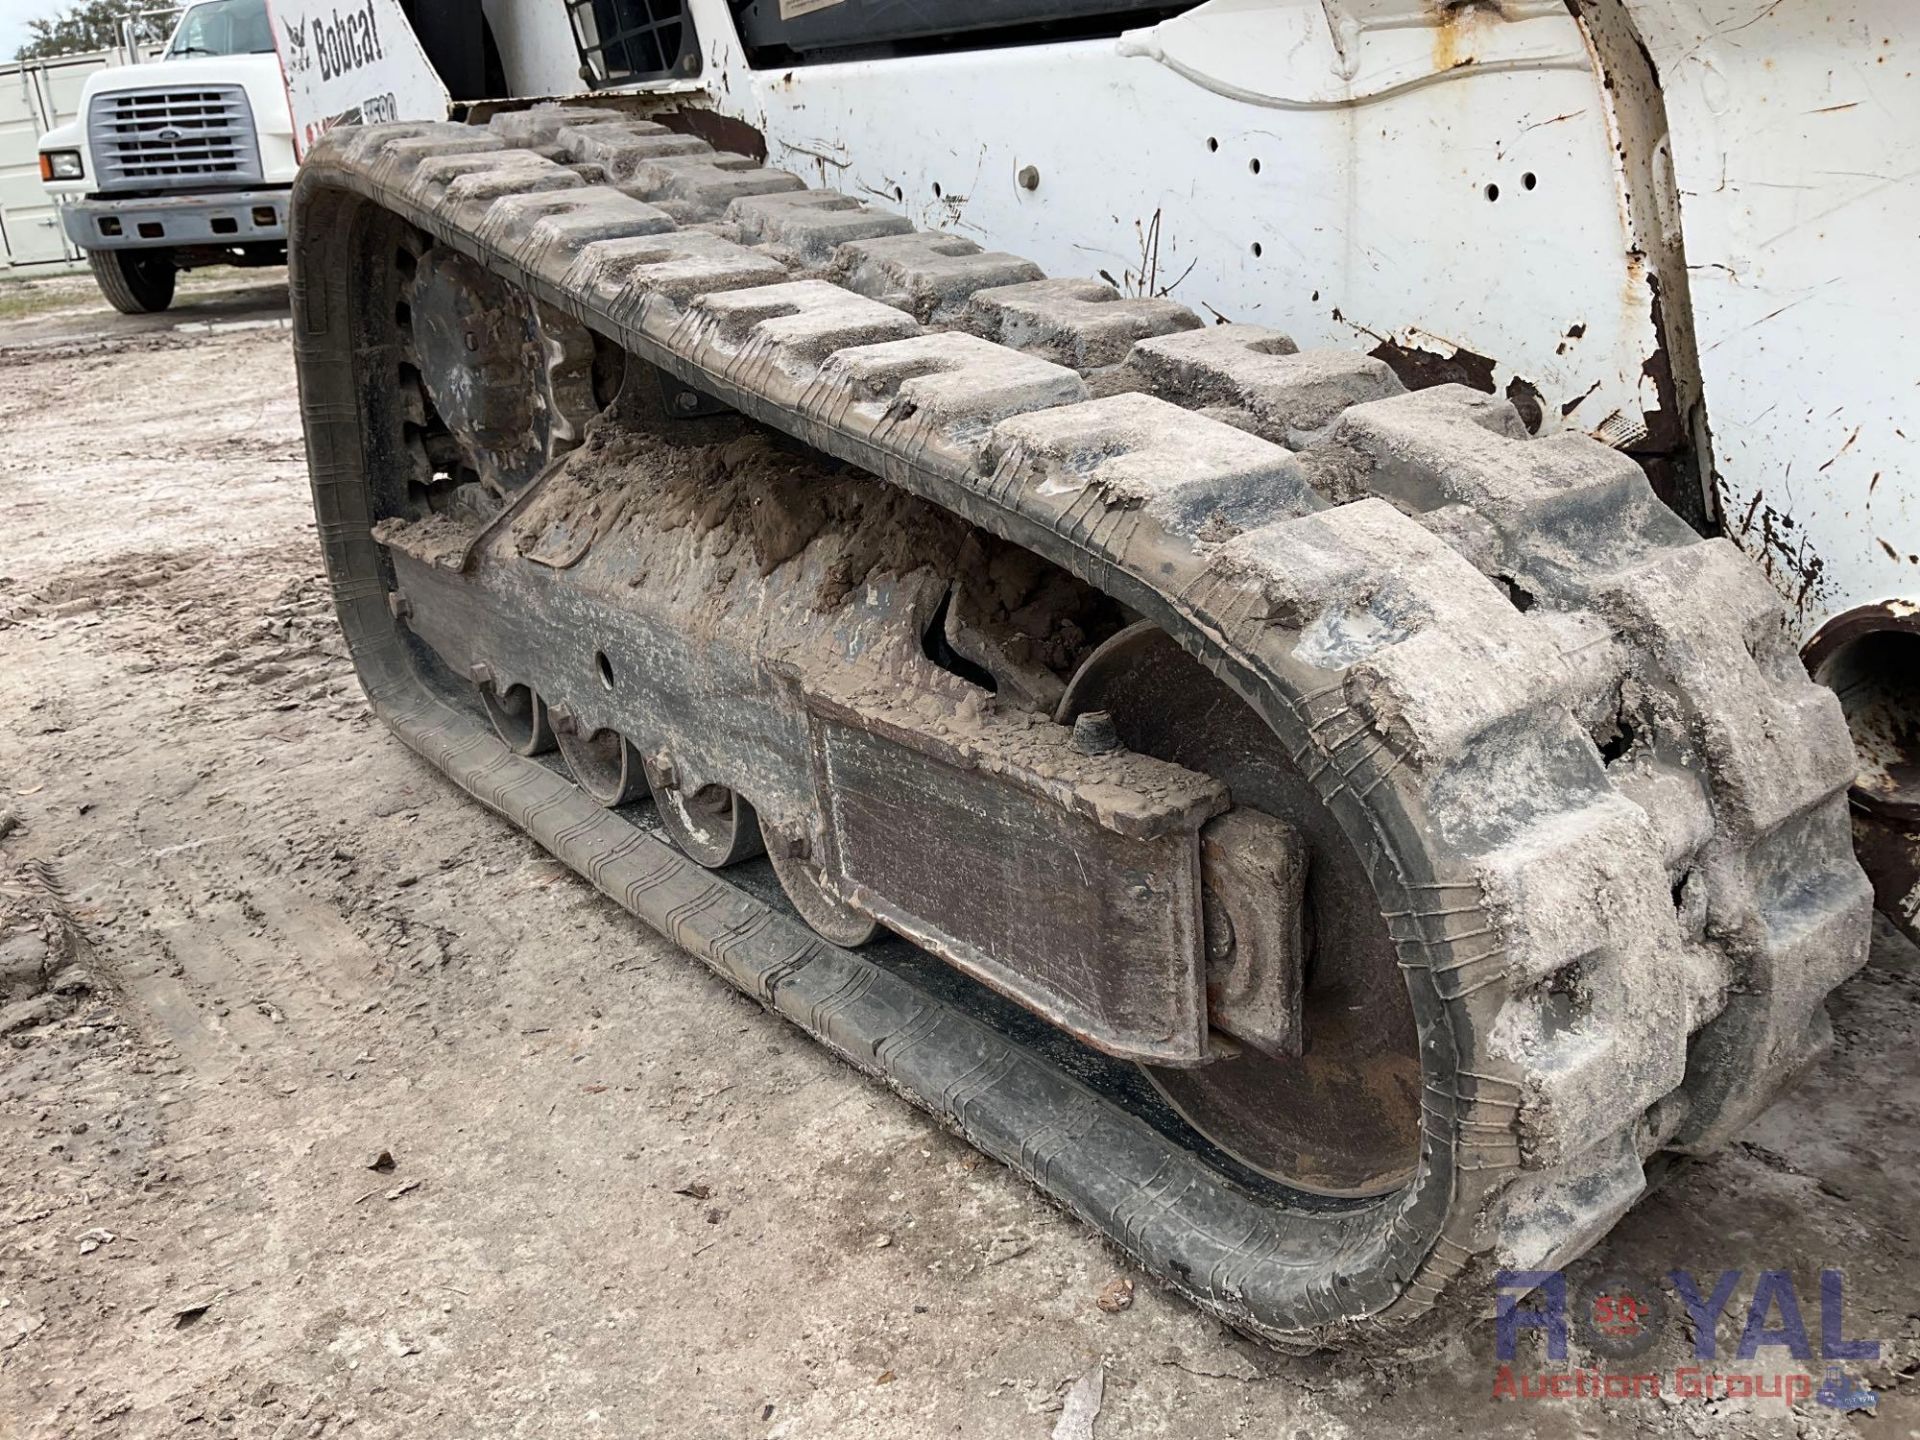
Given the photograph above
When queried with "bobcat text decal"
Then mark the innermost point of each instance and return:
(347, 42)
(353, 63)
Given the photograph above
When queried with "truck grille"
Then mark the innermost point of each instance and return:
(162, 139)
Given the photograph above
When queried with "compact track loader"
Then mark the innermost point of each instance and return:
(964, 518)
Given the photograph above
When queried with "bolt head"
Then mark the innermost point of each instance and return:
(1094, 733)
(1029, 177)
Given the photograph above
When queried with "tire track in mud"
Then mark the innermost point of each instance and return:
(248, 987)
(227, 972)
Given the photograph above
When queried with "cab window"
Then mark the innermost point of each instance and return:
(223, 27)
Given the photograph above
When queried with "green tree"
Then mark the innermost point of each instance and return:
(92, 25)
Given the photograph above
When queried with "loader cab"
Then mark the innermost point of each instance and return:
(557, 44)
(459, 43)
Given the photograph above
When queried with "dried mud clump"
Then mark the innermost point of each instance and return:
(736, 490)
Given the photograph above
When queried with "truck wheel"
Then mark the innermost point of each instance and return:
(135, 282)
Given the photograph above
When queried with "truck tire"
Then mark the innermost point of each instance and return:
(135, 282)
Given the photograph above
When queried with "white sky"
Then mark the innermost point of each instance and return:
(14, 15)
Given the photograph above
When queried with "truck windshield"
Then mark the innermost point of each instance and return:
(223, 27)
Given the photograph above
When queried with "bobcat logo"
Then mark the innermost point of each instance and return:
(298, 58)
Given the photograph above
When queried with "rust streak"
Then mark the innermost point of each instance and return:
(723, 132)
(1842, 450)
(1555, 120)
(1420, 369)
(1577, 401)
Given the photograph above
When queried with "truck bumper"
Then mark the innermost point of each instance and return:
(242, 217)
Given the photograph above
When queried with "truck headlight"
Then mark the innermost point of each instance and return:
(61, 165)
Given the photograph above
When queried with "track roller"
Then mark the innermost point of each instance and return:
(832, 919)
(604, 763)
(519, 718)
(1343, 1117)
(712, 825)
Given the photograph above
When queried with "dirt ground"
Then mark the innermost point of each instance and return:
(348, 1112)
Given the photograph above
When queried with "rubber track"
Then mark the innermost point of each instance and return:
(1603, 959)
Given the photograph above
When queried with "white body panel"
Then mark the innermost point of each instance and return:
(1369, 206)
(1796, 146)
(1490, 185)
(536, 46)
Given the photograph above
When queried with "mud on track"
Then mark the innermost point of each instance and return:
(623, 1200)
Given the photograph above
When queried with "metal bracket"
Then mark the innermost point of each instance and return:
(1254, 874)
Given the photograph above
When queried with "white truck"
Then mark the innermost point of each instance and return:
(179, 163)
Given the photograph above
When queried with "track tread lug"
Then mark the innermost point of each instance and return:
(405, 145)
(542, 124)
(620, 147)
(1565, 493)
(793, 327)
(935, 398)
(700, 187)
(1774, 744)
(646, 281)
(1544, 1221)
(479, 178)
(1186, 472)
(1430, 651)
(536, 228)
(929, 274)
(809, 225)
(1083, 324)
(1289, 394)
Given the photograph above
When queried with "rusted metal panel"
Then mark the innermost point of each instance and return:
(1889, 851)
(1069, 882)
